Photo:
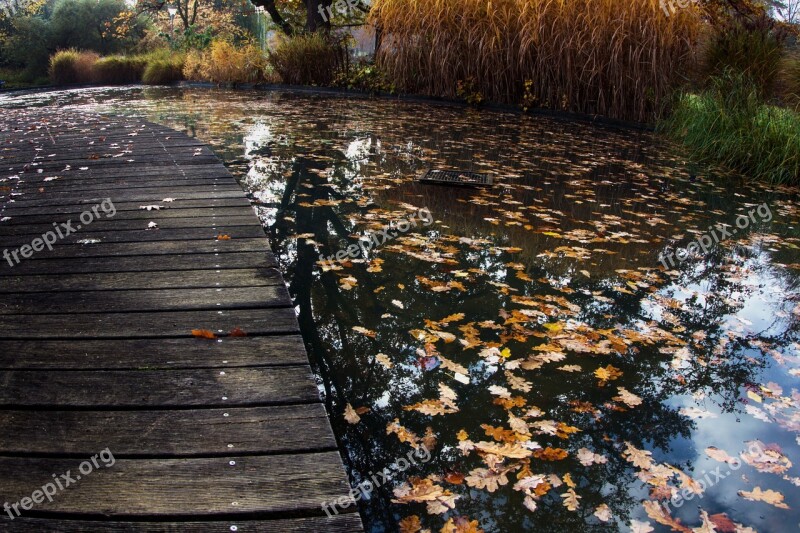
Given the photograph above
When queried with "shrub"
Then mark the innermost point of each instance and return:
(620, 59)
(118, 70)
(313, 59)
(365, 77)
(225, 63)
(163, 71)
(71, 66)
(730, 125)
(755, 52)
(193, 66)
(790, 80)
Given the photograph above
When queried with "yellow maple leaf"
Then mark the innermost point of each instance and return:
(606, 374)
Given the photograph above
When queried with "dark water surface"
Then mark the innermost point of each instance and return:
(525, 341)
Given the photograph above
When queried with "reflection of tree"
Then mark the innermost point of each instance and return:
(653, 425)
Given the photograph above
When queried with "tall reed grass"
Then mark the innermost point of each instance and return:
(616, 58)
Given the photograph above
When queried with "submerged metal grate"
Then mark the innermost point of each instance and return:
(454, 177)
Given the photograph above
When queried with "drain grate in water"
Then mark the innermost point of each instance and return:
(454, 177)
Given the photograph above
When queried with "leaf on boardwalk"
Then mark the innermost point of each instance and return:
(203, 334)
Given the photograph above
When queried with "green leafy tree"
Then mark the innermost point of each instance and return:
(104, 26)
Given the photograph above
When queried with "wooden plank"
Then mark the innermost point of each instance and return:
(150, 196)
(152, 354)
(96, 170)
(171, 433)
(120, 249)
(122, 224)
(225, 213)
(54, 211)
(188, 488)
(111, 159)
(239, 237)
(148, 325)
(142, 300)
(343, 523)
(93, 184)
(138, 263)
(232, 387)
(190, 279)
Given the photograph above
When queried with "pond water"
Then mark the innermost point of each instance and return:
(538, 345)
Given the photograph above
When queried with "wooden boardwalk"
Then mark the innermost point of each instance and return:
(97, 351)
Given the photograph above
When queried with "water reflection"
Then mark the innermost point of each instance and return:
(530, 337)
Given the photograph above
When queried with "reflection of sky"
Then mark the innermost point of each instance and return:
(759, 306)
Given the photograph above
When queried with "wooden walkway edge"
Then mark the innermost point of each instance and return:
(98, 363)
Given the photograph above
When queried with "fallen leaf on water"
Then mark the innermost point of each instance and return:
(767, 496)
(484, 478)
(460, 524)
(571, 500)
(350, 415)
(364, 331)
(603, 512)
(719, 455)
(383, 359)
(606, 374)
(640, 527)
(627, 397)
(410, 524)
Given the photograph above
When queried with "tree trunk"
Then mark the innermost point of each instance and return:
(275, 15)
(317, 15)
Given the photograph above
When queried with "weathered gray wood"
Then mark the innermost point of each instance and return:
(142, 300)
(150, 325)
(120, 249)
(210, 233)
(157, 388)
(172, 433)
(224, 213)
(139, 263)
(54, 211)
(183, 487)
(342, 523)
(151, 354)
(123, 224)
(149, 196)
(189, 279)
